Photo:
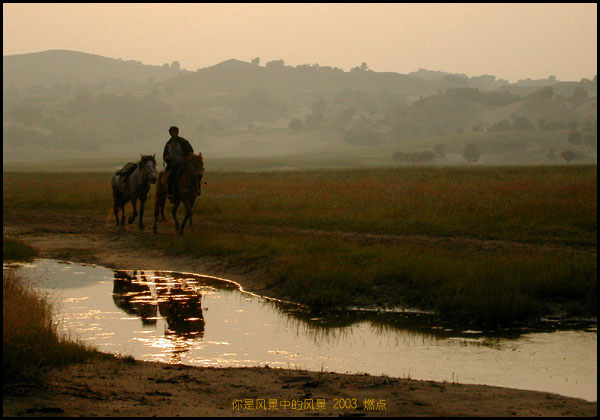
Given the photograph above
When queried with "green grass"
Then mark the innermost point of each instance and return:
(16, 250)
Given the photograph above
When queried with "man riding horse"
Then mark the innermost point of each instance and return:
(181, 181)
(175, 155)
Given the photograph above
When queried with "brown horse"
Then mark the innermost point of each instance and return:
(187, 188)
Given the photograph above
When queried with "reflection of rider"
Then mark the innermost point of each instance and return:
(175, 155)
(180, 305)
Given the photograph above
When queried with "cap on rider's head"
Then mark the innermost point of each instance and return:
(173, 129)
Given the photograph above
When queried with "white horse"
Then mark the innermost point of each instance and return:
(132, 187)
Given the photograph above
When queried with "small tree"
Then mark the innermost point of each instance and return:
(568, 155)
(471, 153)
(522, 123)
(440, 149)
(256, 61)
(275, 64)
(296, 124)
(502, 125)
(414, 157)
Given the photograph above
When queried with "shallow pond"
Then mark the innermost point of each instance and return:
(203, 321)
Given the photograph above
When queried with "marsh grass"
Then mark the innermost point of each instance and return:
(14, 249)
(464, 287)
(30, 341)
(90, 192)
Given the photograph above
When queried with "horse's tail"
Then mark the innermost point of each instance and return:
(115, 187)
(116, 197)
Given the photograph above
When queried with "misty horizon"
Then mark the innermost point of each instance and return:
(304, 84)
(262, 64)
(513, 41)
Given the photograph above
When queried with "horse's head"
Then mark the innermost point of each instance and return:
(196, 162)
(148, 165)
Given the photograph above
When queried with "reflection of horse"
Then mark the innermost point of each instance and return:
(133, 183)
(178, 303)
(134, 297)
(187, 188)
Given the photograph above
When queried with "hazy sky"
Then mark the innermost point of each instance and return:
(510, 41)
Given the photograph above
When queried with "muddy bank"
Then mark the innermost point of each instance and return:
(121, 388)
(93, 240)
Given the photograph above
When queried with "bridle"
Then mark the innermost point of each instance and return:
(143, 166)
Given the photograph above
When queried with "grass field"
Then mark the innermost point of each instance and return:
(542, 205)
(551, 204)
(14, 249)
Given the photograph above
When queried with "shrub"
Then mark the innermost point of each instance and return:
(471, 153)
(296, 124)
(415, 157)
(16, 250)
(522, 123)
(568, 155)
(440, 149)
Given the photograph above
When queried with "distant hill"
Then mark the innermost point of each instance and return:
(52, 67)
(238, 76)
(66, 104)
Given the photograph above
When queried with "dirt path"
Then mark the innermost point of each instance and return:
(109, 388)
(119, 388)
(95, 240)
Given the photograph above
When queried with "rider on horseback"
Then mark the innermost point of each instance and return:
(175, 155)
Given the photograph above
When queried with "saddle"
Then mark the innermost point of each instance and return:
(126, 170)
(173, 174)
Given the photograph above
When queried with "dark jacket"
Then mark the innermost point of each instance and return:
(176, 151)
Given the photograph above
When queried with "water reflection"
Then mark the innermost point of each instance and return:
(175, 299)
(133, 296)
(205, 321)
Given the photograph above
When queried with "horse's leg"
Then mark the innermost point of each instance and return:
(162, 209)
(142, 204)
(188, 203)
(156, 209)
(116, 210)
(123, 214)
(161, 196)
(174, 212)
(115, 205)
(134, 205)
